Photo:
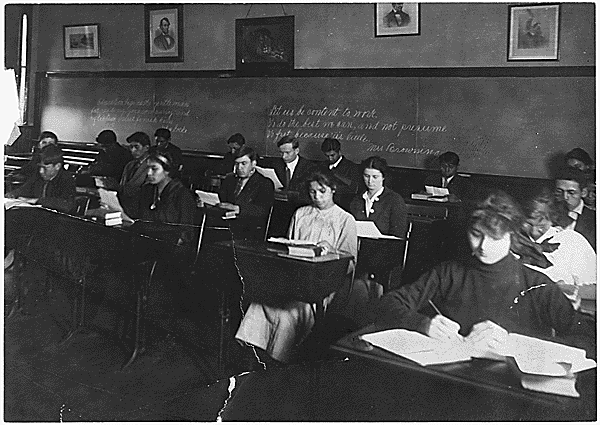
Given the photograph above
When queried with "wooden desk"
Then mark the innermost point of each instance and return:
(255, 274)
(480, 376)
(75, 248)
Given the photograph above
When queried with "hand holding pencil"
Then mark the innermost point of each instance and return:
(442, 328)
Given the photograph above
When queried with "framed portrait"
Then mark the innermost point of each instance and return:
(264, 46)
(392, 19)
(81, 41)
(164, 32)
(533, 32)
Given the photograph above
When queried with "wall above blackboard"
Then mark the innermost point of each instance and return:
(497, 124)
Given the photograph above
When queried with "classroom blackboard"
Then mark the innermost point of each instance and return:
(497, 125)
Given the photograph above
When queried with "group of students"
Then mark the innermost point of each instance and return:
(526, 260)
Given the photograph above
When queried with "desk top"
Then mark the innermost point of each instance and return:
(487, 375)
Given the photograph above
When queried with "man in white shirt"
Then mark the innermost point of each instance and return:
(292, 170)
(571, 188)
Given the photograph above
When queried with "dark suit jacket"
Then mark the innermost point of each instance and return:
(255, 201)
(586, 225)
(459, 186)
(348, 170)
(391, 21)
(131, 186)
(111, 161)
(302, 172)
(60, 192)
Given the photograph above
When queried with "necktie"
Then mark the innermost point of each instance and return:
(288, 176)
(444, 182)
(238, 188)
(44, 189)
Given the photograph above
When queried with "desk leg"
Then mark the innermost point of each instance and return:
(140, 327)
(224, 313)
(78, 311)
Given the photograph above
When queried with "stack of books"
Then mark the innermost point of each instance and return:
(106, 217)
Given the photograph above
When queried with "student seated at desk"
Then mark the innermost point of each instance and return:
(248, 194)
(162, 137)
(112, 158)
(134, 174)
(487, 295)
(165, 199)
(388, 211)
(460, 188)
(580, 159)
(292, 170)
(378, 203)
(572, 258)
(571, 188)
(346, 172)
(279, 330)
(31, 168)
(52, 187)
(234, 143)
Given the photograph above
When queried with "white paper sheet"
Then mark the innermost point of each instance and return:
(437, 191)
(270, 174)
(209, 198)
(18, 202)
(109, 199)
(368, 229)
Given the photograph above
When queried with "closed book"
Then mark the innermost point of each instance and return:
(113, 221)
(103, 213)
(420, 196)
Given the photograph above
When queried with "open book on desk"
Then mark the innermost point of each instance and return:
(543, 365)
(295, 247)
(368, 229)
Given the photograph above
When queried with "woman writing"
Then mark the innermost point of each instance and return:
(488, 295)
(280, 329)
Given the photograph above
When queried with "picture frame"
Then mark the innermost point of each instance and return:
(533, 32)
(81, 41)
(163, 31)
(264, 46)
(396, 19)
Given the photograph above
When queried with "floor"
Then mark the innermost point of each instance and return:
(83, 380)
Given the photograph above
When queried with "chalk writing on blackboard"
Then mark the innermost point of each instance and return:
(167, 113)
(393, 148)
(360, 125)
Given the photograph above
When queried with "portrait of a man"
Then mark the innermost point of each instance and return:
(397, 17)
(531, 35)
(164, 32)
(164, 40)
(392, 19)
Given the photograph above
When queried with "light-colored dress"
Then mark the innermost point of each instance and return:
(280, 330)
